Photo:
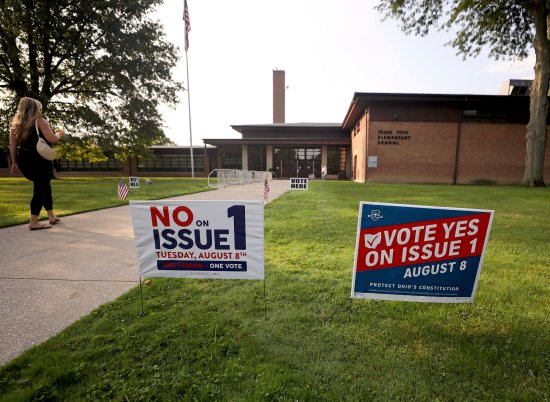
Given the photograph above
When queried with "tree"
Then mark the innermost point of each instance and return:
(99, 67)
(508, 28)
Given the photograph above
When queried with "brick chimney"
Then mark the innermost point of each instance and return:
(278, 96)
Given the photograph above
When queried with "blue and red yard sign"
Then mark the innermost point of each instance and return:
(419, 253)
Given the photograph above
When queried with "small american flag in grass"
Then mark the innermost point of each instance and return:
(122, 190)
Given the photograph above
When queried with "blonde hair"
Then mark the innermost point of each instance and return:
(28, 111)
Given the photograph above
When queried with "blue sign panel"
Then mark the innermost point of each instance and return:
(419, 253)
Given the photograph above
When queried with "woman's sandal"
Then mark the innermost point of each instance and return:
(40, 227)
(55, 221)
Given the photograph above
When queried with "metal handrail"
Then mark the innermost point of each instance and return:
(227, 177)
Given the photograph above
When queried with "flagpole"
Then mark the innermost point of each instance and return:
(187, 29)
(189, 112)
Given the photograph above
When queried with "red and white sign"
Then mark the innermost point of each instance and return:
(419, 253)
(199, 239)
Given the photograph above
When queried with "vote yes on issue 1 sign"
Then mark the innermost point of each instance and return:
(419, 253)
(199, 239)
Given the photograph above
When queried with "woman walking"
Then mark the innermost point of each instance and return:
(26, 125)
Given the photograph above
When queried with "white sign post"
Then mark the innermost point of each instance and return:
(199, 239)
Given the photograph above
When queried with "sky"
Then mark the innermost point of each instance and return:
(328, 49)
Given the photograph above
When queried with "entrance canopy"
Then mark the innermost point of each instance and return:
(289, 150)
(287, 134)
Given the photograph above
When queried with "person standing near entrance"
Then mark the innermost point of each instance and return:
(323, 172)
(27, 124)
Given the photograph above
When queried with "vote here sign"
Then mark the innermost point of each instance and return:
(134, 182)
(199, 239)
(419, 253)
(297, 183)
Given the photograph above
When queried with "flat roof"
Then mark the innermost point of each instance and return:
(287, 134)
(241, 127)
(176, 146)
(361, 101)
(277, 141)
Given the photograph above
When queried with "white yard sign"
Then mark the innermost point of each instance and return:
(199, 239)
(298, 183)
(134, 182)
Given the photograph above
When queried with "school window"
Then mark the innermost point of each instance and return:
(232, 160)
(110, 165)
(172, 162)
(256, 157)
(336, 160)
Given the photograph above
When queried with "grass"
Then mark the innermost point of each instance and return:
(209, 340)
(75, 195)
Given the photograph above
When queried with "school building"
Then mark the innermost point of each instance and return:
(390, 137)
(420, 138)
(287, 149)
(384, 137)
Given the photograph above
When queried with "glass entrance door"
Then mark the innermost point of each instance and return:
(297, 161)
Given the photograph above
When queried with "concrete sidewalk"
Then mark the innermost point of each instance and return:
(50, 278)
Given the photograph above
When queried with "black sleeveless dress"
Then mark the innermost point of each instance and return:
(31, 164)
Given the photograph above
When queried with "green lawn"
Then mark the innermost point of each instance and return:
(209, 340)
(74, 195)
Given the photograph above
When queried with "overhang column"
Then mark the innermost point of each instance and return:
(244, 157)
(269, 157)
(324, 155)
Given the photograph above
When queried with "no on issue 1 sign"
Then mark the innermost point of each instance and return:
(419, 253)
(199, 239)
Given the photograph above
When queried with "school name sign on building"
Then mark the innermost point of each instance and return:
(199, 239)
(418, 253)
(298, 183)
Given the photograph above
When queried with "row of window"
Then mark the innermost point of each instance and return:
(287, 162)
(307, 161)
(232, 160)
(288, 155)
(172, 163)
(156, 163)
(110, 165)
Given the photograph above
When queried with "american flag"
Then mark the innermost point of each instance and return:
(187, 24)
(122, 190)
(266, 189)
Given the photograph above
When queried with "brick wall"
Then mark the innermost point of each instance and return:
(491, 152)
(420, 152)
(412, 152)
